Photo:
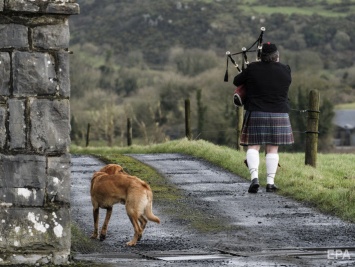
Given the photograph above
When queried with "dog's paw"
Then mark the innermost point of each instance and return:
(94, 236)
(102, 237)
(131, 243)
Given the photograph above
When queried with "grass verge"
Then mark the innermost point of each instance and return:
(330, 186)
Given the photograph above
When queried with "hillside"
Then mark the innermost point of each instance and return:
(156, 26)
(171, 50)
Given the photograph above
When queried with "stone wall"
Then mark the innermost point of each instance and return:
(35, 131)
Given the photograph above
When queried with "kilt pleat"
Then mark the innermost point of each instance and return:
(261, 128)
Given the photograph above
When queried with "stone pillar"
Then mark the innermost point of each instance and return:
(35, 131)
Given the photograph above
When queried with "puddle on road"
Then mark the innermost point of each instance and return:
(271, 257)
(169, 256)
(191, 258)
(187, 255)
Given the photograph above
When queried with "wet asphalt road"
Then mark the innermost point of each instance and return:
(263, 229)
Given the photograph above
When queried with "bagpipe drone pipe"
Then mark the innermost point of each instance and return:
(239, 93)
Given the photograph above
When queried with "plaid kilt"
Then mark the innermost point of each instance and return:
(261, 128)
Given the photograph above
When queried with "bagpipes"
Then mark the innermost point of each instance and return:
(240, 93)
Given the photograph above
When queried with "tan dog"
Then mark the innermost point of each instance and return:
(112, 185)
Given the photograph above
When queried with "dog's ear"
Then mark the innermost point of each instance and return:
(104, 169)
(108, 169)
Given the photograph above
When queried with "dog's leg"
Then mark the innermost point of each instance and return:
(143, 222)
(137, 229)
(96, 223)
(104, 226)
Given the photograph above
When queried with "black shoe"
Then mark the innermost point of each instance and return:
(271, 188)
(254, 186)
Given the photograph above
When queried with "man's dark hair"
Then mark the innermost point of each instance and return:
(272, 57)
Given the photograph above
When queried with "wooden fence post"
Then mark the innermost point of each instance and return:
(240, 115)
(187, 119)
(129, 132)
(88, 135)
(312, 129)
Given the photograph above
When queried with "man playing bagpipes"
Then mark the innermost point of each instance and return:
(266, 120)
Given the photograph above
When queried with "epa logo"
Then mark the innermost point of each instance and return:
(338, 254)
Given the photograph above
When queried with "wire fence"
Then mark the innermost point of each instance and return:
(221, 134)
(178, 132)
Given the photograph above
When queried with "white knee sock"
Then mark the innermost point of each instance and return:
(253, 163)
(272, 161)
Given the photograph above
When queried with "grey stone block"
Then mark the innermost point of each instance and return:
(23, 197)
(3, 132)
(20, 5)
(22, 171)
(13, 35)
(60, 7)
(63, 74)
(34, 229)
(50, 126)
(5, 68)
(63, 8)
(58, 179)
(36, 258)
(17, 124)
(33, 74)
(51, 36)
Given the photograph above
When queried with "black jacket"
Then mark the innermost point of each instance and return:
(267, 85)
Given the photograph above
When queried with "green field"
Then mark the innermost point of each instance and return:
(345, 106)
(257, 9)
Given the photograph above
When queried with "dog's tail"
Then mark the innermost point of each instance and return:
(148, 212)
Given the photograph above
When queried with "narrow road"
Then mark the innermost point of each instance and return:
(258, 229)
